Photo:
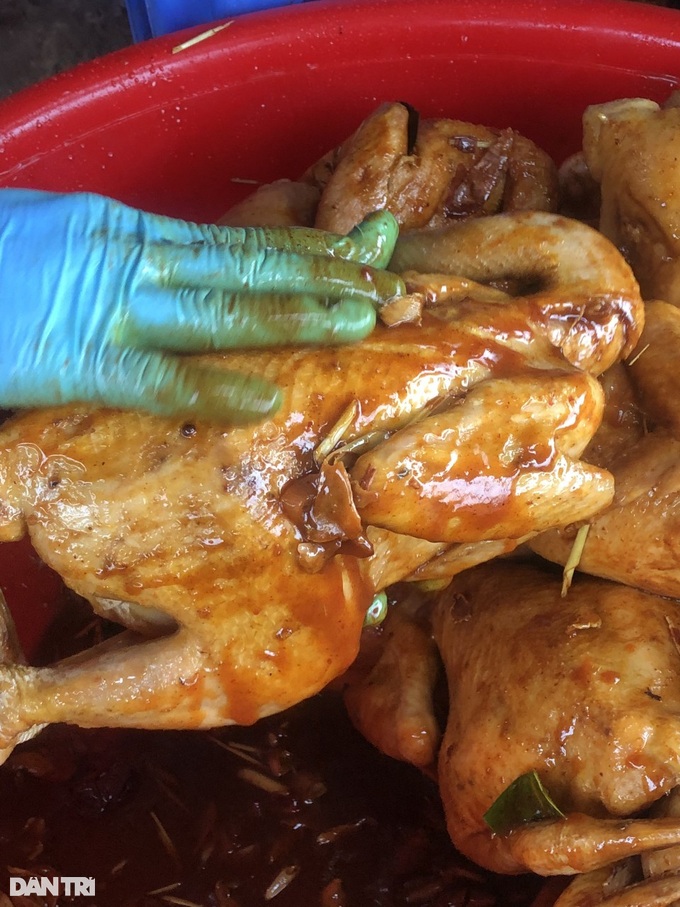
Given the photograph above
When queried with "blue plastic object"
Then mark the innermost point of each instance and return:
(151, 18)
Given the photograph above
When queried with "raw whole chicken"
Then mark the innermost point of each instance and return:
(243, 560)
(583, 690)
(426, 172)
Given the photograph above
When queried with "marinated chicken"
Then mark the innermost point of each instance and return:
(580, 690)
(246, 554)
(429, 172)
(632, 149)
(583, 690)
(510, 403)
(637, 539)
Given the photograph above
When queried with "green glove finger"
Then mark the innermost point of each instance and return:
(192, 321)
(249, 268)
(170, 386)
(371, 242)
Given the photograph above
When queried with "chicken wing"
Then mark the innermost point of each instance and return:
(391, 703)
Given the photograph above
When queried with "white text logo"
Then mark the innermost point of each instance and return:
(44, 885)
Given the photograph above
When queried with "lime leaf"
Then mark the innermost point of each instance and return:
(525, 800)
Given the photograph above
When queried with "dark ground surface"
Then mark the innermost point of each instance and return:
(41, 37)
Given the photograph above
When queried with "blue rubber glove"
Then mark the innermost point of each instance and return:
(99, 301)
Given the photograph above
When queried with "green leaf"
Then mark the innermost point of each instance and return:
(377, 612)
(525, 800)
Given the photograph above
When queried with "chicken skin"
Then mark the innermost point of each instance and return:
(583, 690)
(248, 556)
(430, 172)
(632, 149)
(637, 539)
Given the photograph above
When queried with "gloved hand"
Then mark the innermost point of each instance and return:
(97, 299)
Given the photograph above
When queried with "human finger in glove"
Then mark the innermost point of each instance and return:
(98, 302)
